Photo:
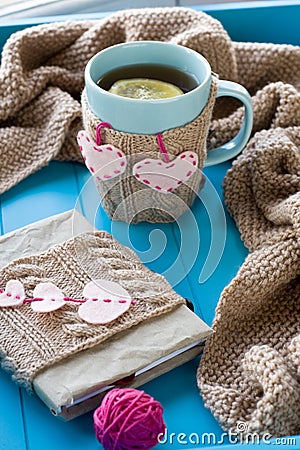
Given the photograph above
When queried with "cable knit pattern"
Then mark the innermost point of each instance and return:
(124, 198)
(31, 341)
(42, 77)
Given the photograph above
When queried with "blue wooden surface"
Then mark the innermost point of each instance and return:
(25, 423)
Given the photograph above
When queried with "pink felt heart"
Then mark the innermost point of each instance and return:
(49, 298)
(165, 177)
(103, 161)
(13, 295)
(106, 300)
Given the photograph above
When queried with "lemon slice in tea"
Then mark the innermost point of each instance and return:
(144, 89)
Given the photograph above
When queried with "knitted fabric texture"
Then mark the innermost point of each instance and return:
(42, 77)
(31, 341)
(250, 369)
(125, 198)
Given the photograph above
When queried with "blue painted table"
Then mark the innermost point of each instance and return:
(25, 423)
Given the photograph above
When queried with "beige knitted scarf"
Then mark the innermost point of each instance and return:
(250, 370)
(250, 373)
(41, 80)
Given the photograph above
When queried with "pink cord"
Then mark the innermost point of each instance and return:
(162, 148)
(66, 299)
(75, 300)
(34, 299)
(159, 139)
(98, 131)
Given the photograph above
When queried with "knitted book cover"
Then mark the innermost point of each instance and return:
(71, 364)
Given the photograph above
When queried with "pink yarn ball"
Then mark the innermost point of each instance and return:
(128, 419)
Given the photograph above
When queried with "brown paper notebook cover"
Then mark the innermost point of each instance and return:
(130, 358)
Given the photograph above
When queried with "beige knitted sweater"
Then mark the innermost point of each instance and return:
(250, 370)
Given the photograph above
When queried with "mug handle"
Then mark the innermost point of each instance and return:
(236, 145)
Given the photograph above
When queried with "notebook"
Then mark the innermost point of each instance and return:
(130, 358)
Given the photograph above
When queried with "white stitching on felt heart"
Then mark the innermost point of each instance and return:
(106, 300)
(103, 161)
(166, 176)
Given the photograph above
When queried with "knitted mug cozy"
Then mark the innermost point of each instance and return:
(125, 197)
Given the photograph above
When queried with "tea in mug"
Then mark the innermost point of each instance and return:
(148, 81)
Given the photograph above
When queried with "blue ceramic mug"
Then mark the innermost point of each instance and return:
(155, 116)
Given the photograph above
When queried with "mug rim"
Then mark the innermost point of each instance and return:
(94, 58)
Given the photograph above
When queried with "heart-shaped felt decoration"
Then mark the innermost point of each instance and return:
(13, 295)
(50, 298)
(106, 300)
(165, 177)
(104, 161)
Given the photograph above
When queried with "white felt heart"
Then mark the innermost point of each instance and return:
(103, 161)
(106, 300)
(13, 295)
(49, 298)
(165, 177)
